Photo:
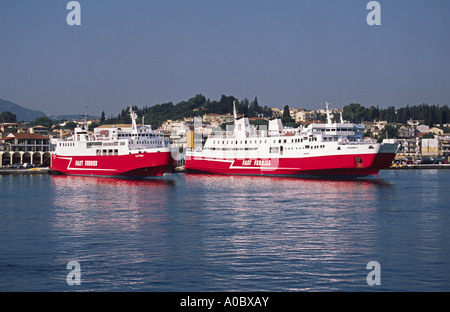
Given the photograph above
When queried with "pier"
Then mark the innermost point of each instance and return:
(37, 170)
(422, 166)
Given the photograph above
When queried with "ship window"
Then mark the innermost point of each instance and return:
(274, 150)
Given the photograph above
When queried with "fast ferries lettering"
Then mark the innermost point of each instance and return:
(256, 162)
(86, 163)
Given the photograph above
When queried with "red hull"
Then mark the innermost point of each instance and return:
(342, 165)
(131, 165)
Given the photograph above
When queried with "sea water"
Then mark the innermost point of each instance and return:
(219, 233)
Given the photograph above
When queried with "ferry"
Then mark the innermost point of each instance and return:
(115, 152)
(321, 149)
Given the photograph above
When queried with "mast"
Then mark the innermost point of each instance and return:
(85, 116)
(329, 115)
(133, 116)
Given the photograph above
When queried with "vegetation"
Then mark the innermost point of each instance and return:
(428, 114)
(43, 121)
(8, 117)
(388, 131)
(199, 106)
(196, 106)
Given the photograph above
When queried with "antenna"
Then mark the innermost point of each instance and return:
(133, 116)
(85, 116)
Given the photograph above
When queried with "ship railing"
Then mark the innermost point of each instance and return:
(355, 142)
(253, 134)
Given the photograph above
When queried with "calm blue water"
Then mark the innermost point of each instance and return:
(225, 233)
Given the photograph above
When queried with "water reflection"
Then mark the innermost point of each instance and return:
(101, 222)
(287, 226)
(224, 233)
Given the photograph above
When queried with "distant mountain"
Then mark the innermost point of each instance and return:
(22, 113)
(71, 117)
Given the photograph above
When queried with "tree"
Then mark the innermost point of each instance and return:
(43, 121)
(286, 113)
(70, 125)
(388, 132)
(254, 108)
(7, 117)
(355, 113)
(287, 116)
(102, 118)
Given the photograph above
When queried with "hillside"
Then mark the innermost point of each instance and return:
(22, 113)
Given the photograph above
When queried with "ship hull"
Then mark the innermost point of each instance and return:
(355, 165)
(129, 165)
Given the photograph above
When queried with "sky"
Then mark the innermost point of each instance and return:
(299, 53)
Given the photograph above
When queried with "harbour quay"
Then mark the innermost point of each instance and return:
(43, 170)
(25, 149)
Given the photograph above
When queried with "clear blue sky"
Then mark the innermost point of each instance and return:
(284, 52)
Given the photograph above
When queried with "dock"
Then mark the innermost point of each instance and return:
(43, 170)
(422, 166)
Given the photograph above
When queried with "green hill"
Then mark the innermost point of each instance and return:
(22, 113)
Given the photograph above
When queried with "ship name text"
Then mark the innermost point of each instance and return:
(86, 163)
(256, 162)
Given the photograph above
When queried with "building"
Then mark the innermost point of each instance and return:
(276, 112)
(424, 129)
(374, 127)
(407, 132)
(303, 115)
(409, 148)
(436, 131)
(42, 130)
(24, 148)
(8, 127)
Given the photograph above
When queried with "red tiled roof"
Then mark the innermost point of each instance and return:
(28, 136)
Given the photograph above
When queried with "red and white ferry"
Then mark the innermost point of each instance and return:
(117, 152)
(330, 149)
